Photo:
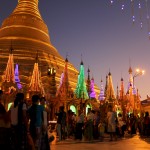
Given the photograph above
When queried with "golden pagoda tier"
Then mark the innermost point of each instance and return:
(28, 34)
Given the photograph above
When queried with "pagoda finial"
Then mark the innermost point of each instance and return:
(81, 60)
(28, 7)
(88, 73)
(92, 77)
(130, 69)
(88, 69)
(11, 48)
(109, 74)
(66, 60)
(29, 0)
(36, 58)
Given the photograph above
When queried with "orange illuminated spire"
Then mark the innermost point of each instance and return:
(9, 72)
(121, 96)
(36, 84)
(110, 89)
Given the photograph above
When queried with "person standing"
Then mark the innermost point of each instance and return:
(121, 125)
(89, 125)
(1, 95)
(146, 124)
(35, 113)
(19, 122)
(79, 125)
(5, 142)
(44, 140)
(111, 120)
(61, 123)
(96, 123)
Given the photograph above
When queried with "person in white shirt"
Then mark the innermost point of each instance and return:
(19, 122)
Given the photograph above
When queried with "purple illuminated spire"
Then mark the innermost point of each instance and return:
(17, 80)
(92, 94)
(64, 88)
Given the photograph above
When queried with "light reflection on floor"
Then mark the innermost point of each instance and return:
(134, 143)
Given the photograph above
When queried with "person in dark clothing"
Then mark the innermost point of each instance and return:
(35, 113)
(61, 123)
(19, 123)
(5, 142)
(79, 125)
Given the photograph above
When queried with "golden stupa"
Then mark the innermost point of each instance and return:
(28, 34)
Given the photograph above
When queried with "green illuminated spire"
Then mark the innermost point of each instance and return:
(81, 91)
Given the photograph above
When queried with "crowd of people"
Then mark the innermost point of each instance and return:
(25, 127)
(92, 127)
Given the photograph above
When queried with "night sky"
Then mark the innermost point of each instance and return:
(103, 34)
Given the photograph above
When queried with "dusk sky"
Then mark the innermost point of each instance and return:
(103, 34)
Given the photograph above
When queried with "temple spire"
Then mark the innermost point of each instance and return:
(106, 86)
(110, 96)
(64, 82)
(101, 96)
(92, 93)
(28, 7)
(17, 79)
(121, 95)
(81, 91)
(36, 85)
(130, 88)
(9, 72)
(88, 82)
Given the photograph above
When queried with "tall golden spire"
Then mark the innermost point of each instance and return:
(28, 7)
(26, 24)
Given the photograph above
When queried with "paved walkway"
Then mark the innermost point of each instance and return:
(134, 143)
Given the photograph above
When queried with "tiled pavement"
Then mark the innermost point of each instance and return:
(128, 143)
